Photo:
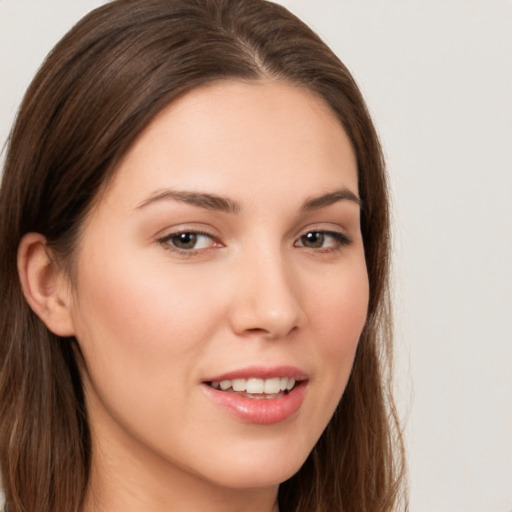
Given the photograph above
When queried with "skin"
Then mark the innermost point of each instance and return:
(154, 321)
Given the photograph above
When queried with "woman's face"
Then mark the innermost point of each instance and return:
(223, 263)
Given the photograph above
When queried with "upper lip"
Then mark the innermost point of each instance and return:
(261, 372)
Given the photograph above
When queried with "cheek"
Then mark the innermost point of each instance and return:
(133, 319)
(339, 308)
(142, 333)
(338, 315)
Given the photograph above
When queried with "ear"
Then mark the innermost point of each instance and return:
(46, 288)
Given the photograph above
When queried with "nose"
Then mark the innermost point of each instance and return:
(267, 300)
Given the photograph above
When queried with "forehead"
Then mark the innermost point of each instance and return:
(231, 137)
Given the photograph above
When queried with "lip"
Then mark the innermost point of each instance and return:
(265, 411)
(261, 372)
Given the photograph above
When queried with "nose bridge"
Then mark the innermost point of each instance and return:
(267, 299)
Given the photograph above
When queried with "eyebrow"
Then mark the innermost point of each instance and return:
(226, 205)
(344, 194)
(200, 199)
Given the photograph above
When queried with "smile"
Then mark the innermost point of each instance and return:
(256, 388)
(259, 395)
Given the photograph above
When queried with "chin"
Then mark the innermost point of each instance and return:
(259, 470)
(254, 478)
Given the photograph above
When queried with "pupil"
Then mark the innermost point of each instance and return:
(185, 240)
(314, 239)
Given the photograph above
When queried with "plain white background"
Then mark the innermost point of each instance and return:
(437, 76)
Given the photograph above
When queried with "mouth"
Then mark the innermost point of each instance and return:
(259, 395)
(256, 388)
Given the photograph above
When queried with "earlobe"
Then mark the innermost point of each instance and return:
(45, 287)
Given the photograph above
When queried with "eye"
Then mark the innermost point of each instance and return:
(188, 241)
(327, 240)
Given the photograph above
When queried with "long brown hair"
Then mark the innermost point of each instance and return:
(95, 93)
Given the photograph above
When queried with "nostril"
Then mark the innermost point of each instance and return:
(271, 334)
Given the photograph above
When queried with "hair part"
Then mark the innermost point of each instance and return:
(95, 93)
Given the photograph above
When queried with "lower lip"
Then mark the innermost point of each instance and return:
(264, 411)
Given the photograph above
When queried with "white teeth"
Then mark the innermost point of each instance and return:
(255, 386)
(225, 384)
(272, 386)
(239, 384)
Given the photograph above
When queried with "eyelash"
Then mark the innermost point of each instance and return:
(166, 242)
(340, 240)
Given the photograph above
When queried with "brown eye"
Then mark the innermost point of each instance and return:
(323, 240)
(315, 239)
(188, 241)
(184, 240)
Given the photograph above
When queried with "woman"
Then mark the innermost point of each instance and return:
(194, 247)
